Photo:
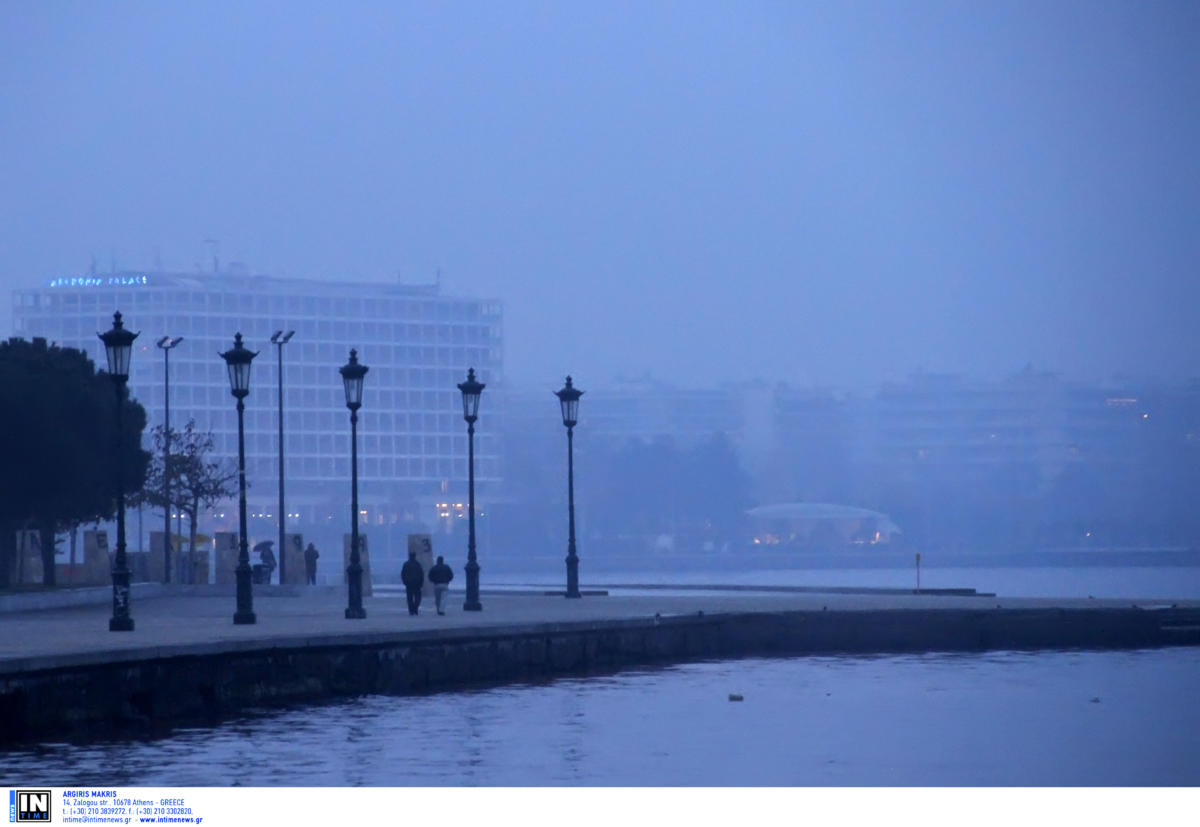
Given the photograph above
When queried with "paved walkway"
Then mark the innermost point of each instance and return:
(172, 622)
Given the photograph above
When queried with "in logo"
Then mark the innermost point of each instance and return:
(29, 805)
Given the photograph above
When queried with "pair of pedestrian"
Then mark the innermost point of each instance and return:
(413, 578)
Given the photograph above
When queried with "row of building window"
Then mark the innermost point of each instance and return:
(265, 444)
(326, 340)
(320, 379)
(445, 397)
(298, 306)
(305, 469)
(335, 418)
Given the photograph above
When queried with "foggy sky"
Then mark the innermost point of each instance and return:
(836, 192)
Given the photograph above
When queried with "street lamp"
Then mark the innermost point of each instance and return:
(352, 378)
(568, 398)
(237, 360)
(279, 339)
(166, 343)
(118, 346)
(471, 391)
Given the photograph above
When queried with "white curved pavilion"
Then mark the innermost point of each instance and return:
(805, 523)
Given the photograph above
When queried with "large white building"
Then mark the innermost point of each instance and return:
(417, 342)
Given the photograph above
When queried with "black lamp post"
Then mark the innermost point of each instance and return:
(352, 377)
(166, 343)
(279, 339)
(237, 360)
(568, 398)
(118, 346)
(471, 391)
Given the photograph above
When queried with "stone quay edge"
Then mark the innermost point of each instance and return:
(62, 673)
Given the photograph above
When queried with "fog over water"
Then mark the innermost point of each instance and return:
(818, 193)
(1049, 581)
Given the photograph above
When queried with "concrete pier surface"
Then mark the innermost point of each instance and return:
(185, 620)
(62, 670)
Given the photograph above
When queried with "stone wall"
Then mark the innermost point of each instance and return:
(206, 682)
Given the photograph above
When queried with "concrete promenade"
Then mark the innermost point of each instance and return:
(61, 670)
(183, 621)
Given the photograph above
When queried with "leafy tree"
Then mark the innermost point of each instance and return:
(58, 428)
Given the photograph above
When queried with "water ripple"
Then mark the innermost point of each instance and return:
(1045, 718)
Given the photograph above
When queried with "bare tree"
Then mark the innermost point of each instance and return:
(197, 482)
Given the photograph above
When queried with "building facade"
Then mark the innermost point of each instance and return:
(416, 341)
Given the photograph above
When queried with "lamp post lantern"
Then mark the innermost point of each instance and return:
(279, 339)
(166, 343)
(237, 360)
(568, 399)
(118, 346)
(471, 391)
(352, 378)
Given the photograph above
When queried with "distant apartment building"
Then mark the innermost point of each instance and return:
(964, 432)
(930, 431)
(416, 341)
(612, 415)
(645, 409)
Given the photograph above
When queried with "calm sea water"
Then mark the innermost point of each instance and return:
(1159, 582)
(1003, 718)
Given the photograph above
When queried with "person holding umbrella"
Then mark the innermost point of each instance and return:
(268, 558)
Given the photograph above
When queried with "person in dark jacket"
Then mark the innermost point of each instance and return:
(413, 577)
(268, 562)
(440, 576)
(310, 564)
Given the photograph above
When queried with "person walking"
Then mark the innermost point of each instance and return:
(268, 562)
(440, 576)
(310, 564)
(413, 577)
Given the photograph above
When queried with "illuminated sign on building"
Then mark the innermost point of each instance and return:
(99, 281)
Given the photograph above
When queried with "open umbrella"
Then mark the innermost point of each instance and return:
(265, 544)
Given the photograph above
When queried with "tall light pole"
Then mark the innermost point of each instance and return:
(471, 390)
(279, 339)
(237, 360)
(568, 399)
(166, 343)
(118, 346)
(352, 378)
